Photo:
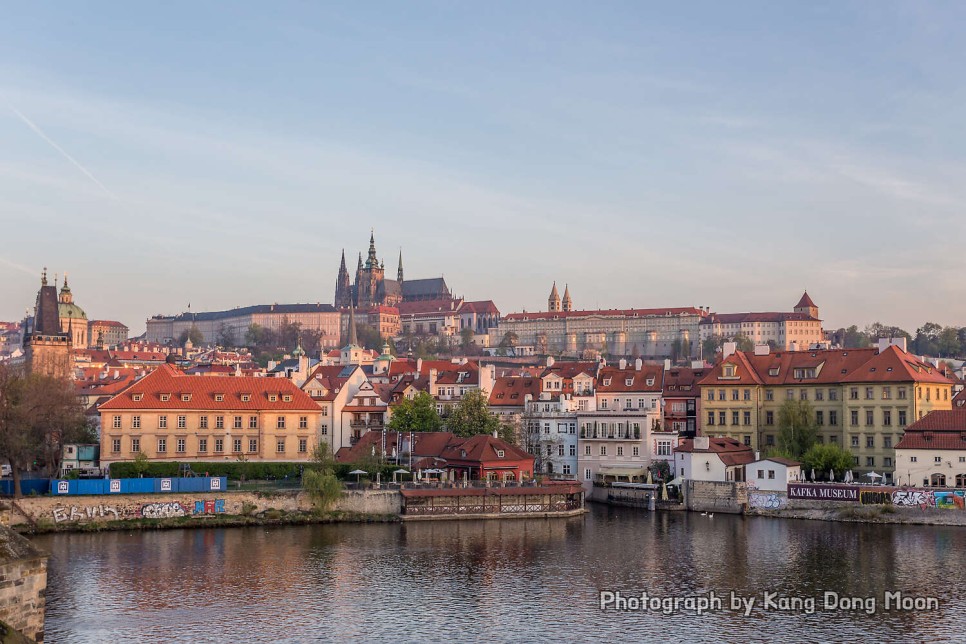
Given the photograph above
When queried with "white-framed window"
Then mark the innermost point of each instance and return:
(280, 422)
(252, 444)
(182, 422)
(117, 422)
(280, 446)
(162, 445)
(181, 445)
(587, 474)
(162, 422)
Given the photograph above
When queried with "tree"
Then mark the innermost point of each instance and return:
(416, 415)
(322, 458)
(878, 330)
(852, 338)
(948, 342)
(466, 339)
(509, 339)
(38, 415)
(225, 337)
(141, 464)
(797, 429)
(744, 342)
(471, 416)
(323, 487)
(194, 334)
(927, 339)
(369, 336)
(710, 346)
(825, 457)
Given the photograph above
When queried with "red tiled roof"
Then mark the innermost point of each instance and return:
(482, 447)
(939, 430)
(113, 323)
(959, 400)
(745, 374)
(730, 451)
(738, 318)
(631, 313)
(168, 380)
(618, 379)
(894, 365)
(428, 306)
(681, 381)
(481, 307)
(805, 301)
(512, 391)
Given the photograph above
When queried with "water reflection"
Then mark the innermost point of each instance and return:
(533, 579)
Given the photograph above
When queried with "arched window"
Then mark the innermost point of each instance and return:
(961, 480)
(937, 480)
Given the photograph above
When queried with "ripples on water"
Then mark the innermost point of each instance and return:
(497, 580)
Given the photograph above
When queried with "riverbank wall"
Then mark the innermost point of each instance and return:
(23, 584)
(64, 513)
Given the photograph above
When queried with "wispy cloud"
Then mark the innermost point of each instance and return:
(39, 132)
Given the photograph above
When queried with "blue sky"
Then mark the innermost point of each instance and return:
(712, 154)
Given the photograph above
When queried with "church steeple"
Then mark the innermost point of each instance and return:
(553, 302)
(399, 272)
(343, 286)
(372, 261)
(568, 304)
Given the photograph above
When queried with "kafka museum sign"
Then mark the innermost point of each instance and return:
(823, 492)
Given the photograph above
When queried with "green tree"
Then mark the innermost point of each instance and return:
(194, 334)
(852, 338)
(710, 346)
(797, 429)
(509, 339)
(225, 337)
(141, 464)
(323, 459)
(471, 416)
(466, 339)
(323, 488)
(948, 342)
(369, 336)
(744, 342)
(416, 415)
(826, 457)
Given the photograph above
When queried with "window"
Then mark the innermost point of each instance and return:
(135, 445)
(288, 398)
(803, 394)
(620, 450)
(117, 422)
(937, 459)
(560, 450)
(566, 469)
(870, 461)
(819, 417)
(181, 445)
(325, 411)
(573, 450)
(886, 417)
(303, 445)
(913, 459)
(747, 394)
(246, 397)
(769, 395)
(887, 441)
(902, 418)
(185, 397)
(854, 393)
(790, 394)
(854, 416)
(747, 441)
(711, 418)
(869, 417)
(761, 474)
(203, 422)
(902, 393)
(202, 444)
(710, 394)
(746, 420)
(734, 394)
(182, 422)
(219, 397)
(587, 474)
(252, 444)
(162, 422)
(253, 422)
(272, 398)
(870, 442)
(833, 417)
(280, 422)
(886, 393)
(236, 445)
(887, 461)
(769, 418)
(636, 451)
(855, 440)
(603, 450)
(664, 448)
(833, 394)
(586, 450)
(219, 422)
(219, 444)
(116, 445)
(237, 422)
(280, 446)
(162, 445)
(734, 418)
(721, 394)
(136, 397)
(721, 418)
(325, 430)
(771, 474)
(869, 394)
(819, 394)
(303, 422)
(770, 439)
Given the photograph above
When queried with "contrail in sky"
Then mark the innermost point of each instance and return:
(33, 126)
(19, 267)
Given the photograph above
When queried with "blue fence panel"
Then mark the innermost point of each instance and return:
(27, 486)
(128, 486)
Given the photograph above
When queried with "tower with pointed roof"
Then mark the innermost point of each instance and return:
(47, 347)
(553, 302)
(806, 306)
(343, 286)
(73, 319)
(399, 271)
(568, 304)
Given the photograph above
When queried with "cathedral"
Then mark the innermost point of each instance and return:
(372, 288)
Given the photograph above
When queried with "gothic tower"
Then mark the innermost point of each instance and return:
(399, 272)
(568, 304)
(343, 286)
(46, 346)
(553, 302)
(806, 306)
(357, 290)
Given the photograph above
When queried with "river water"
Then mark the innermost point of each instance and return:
(531, 580)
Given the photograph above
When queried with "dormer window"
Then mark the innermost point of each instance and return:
(185, 397)
(219, 397)
(165, 397)
(650, 382)
(272, 398)
(500, 453)
(136, 397)
(774, 371)
(628, 382)
(246, 397)
(463, 453)
(607, 382)
(287, 398)
(729, 371)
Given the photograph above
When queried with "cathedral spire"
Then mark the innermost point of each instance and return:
(399, 272)
(343, 285)
(353, 341)
(372, 261)
(568, 304)
(553, 302)
(43, 277)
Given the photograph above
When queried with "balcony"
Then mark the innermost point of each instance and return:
(371, 425)
(626, 435)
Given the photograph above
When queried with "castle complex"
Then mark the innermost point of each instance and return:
(372, 288)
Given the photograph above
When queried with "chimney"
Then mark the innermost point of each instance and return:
(667, 364)
(550, 361)
(899, 343)
(419, 366)
(793, 346)
(639, 364)
(762, 349)
(496, 434)
(728, 349)
(432, 379)
(622, 364)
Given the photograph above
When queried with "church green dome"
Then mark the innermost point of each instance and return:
(70, 310)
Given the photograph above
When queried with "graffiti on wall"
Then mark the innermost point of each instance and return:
(951, 500)
(64, 514)
(913, 498)
(163, 510)
(767, 500)
(210, 506)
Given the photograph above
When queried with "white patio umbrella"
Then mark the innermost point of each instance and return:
(399, 471)
(874, 476)
(358, 473)
(813, 475)
(650, 480)
(831, 476)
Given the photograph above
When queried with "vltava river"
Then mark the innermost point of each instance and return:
(502, 580)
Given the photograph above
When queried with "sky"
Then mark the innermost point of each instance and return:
(726, 155)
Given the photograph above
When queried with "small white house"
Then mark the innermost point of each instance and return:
(774, 474)
(707, 458)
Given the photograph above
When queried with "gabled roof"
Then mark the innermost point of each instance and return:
(482, 448)
(682, 381)
(937, 430)
(612, 380)
(480, 308)
(512, 391)
(895, 365)
(203, 389)
(806, 301)
(745, 374)
(428, 307)
(425, 287)
(730, 451)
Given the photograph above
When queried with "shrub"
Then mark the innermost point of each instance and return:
(325, 489)
(248, 508)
